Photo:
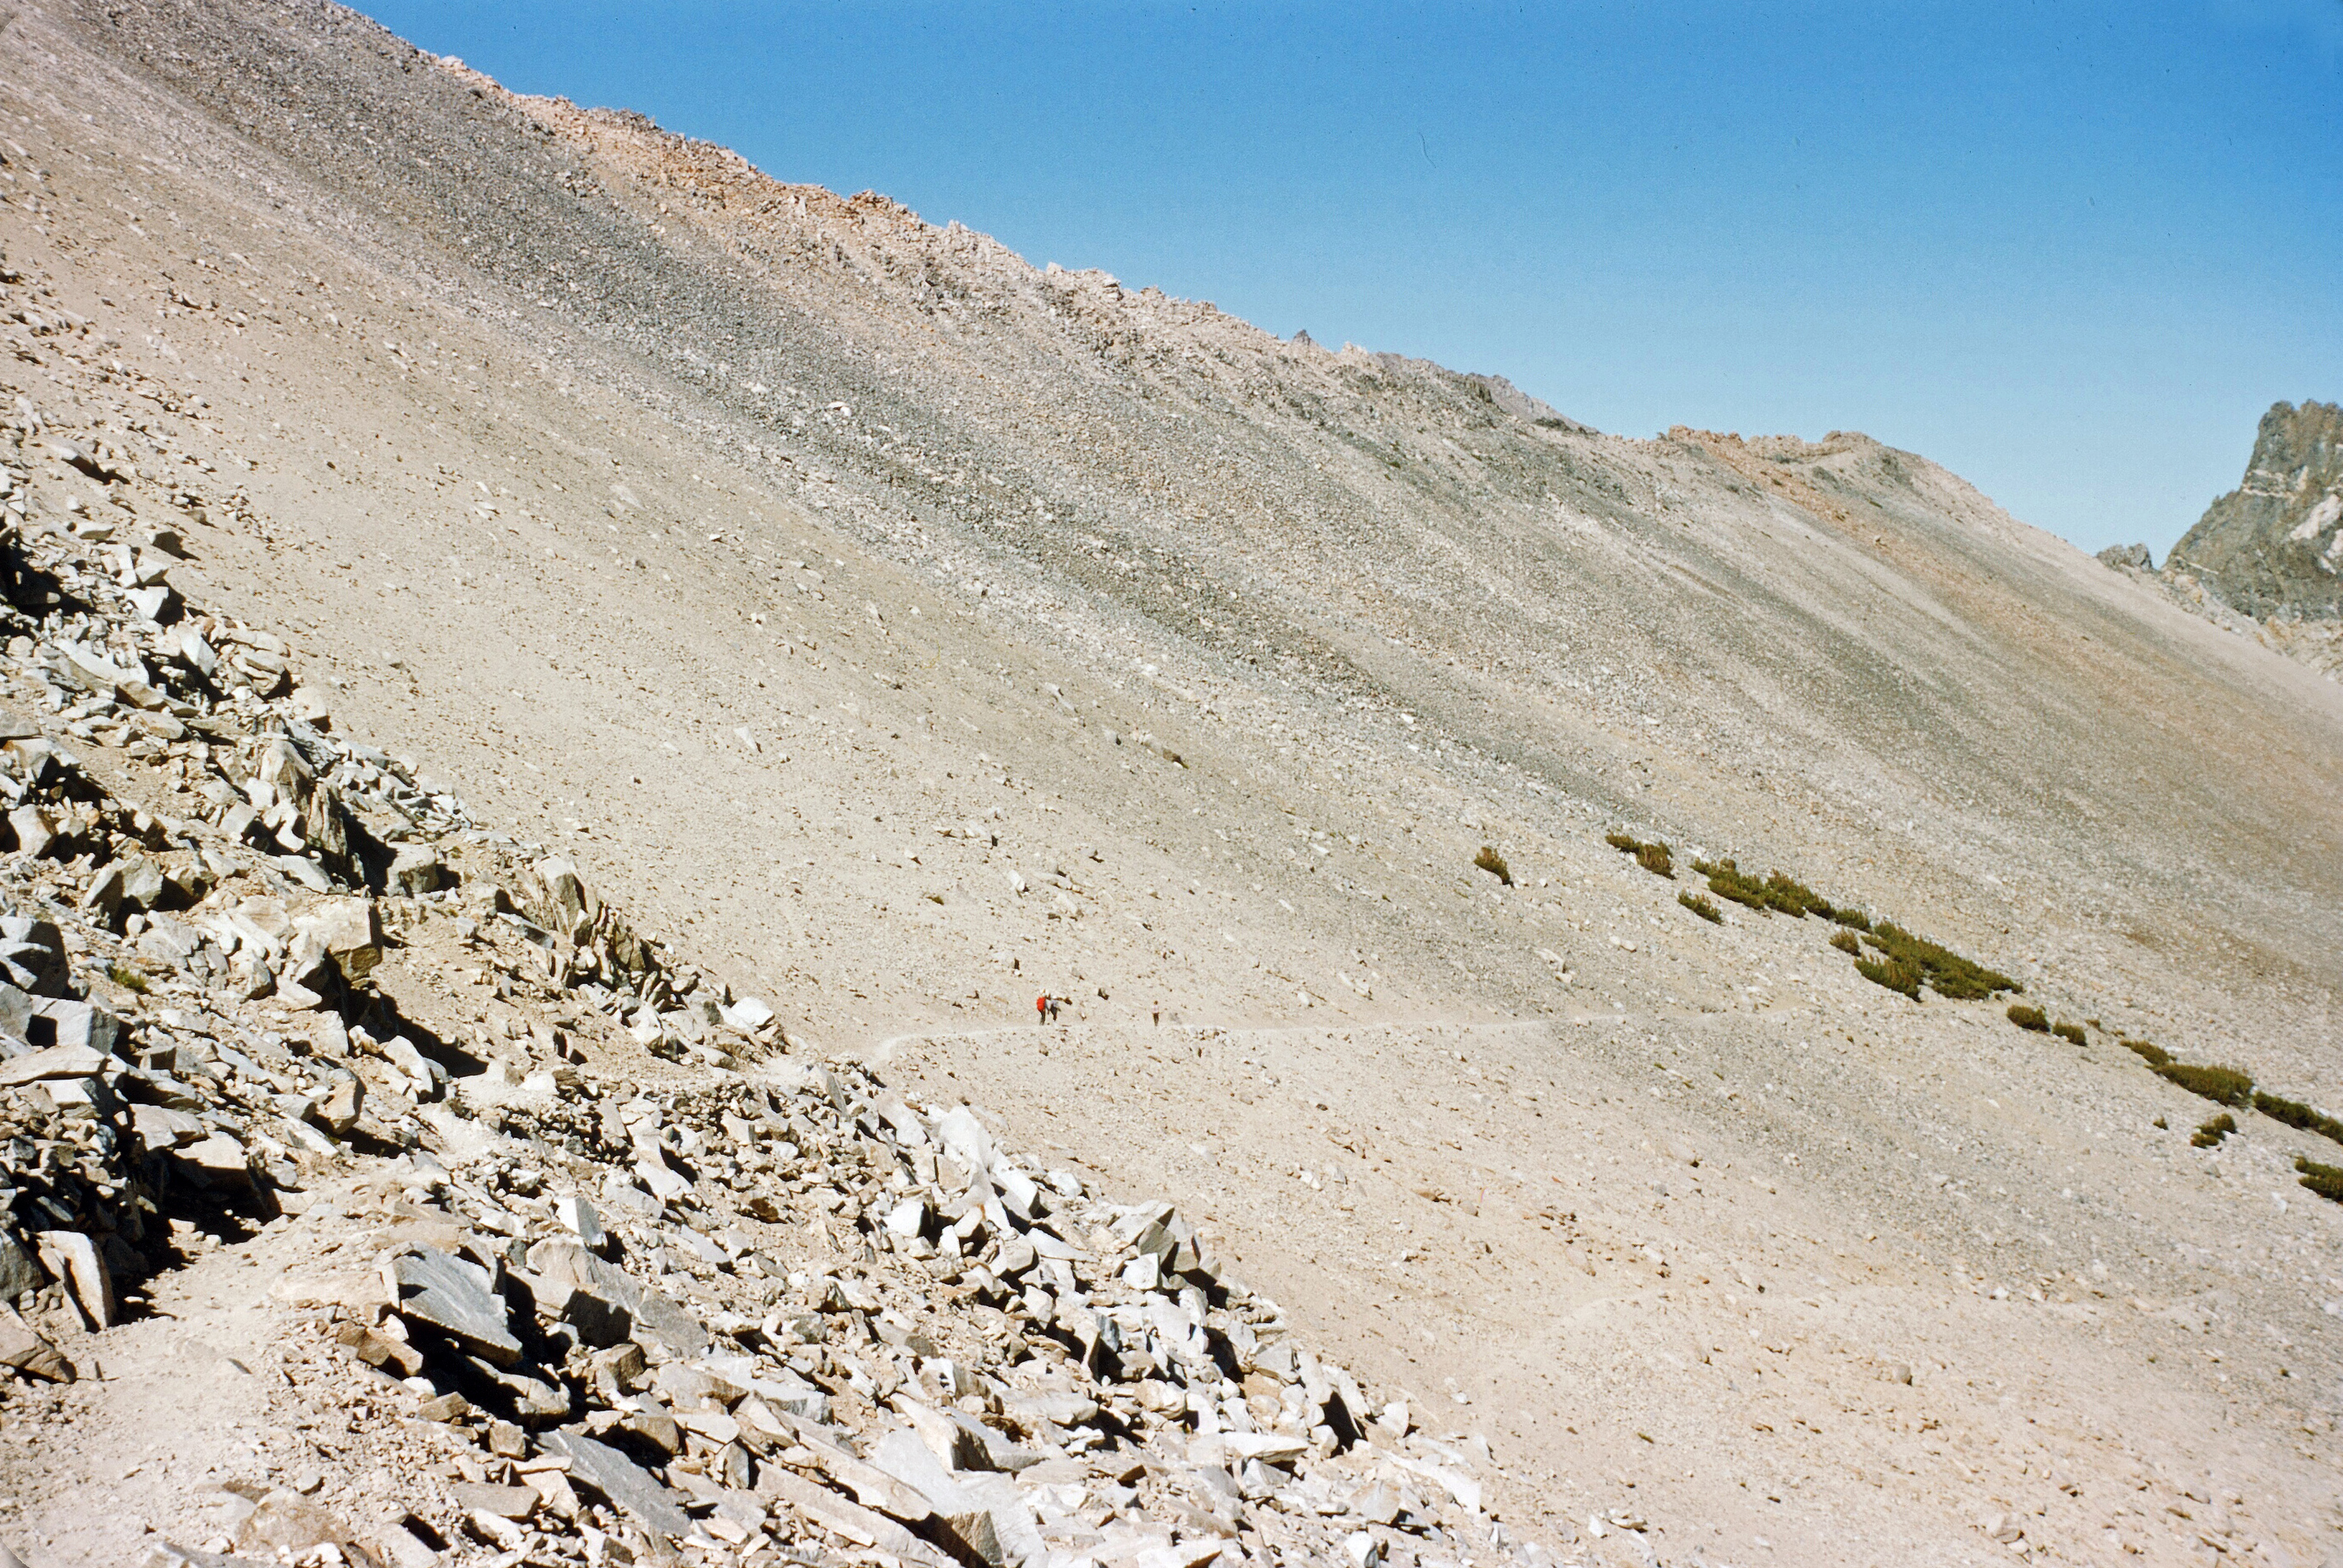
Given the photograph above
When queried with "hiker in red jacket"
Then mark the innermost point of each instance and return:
(1041, 1006)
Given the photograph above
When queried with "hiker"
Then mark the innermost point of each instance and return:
(1041, 1006)
(1156, 1012)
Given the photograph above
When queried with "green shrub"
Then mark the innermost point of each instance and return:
(1488, 860)
(2294, 1113)
(2327, 1180)
(1653, 857)
(1726, 881)
(1845, 941)
(2154, 1055)
(1893, 973)
(1705, 908)
(1794, 898)
(129, 978)
(2072, 1033)
(2032, 1017)
(2221, 1085)
(2210, 1134)
(1855, 918)
(1948, 973)
(1777, 891)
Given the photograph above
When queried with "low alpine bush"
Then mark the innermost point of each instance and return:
(2294, 1113)
(2221, 1085)
(1653, 857)
(2327, 1180)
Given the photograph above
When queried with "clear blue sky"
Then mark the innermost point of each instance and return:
(2071, 251)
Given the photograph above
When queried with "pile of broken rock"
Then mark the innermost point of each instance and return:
(732, 1306)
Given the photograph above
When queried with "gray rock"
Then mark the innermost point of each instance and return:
(219, 1161)
(341, 1106)
(104, 895)
(161, 1129)
(288, 1522)
(18, 1272)
(831, 1512)
(79, 1060)
(79, 1023)
(28, 1353)
(2134, 558)
(347, 927)
(614, 1302)
(416, 869)
(74, 1259)
(626, 1484)
(959, 1512)
(35, 831)
(452, 1297)
(577, 1213)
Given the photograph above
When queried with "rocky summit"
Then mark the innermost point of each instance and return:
(2274, 544)
(693, 870)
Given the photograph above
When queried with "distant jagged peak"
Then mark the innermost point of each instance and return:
(2274, 546)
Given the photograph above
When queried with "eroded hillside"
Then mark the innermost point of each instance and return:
(905, 631)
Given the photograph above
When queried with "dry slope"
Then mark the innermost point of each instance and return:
(913, 629)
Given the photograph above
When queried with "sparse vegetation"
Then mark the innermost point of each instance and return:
(2153, 1054)
(2209, 1134)
(2294, 1113)
(2032, 1017)
(2160, 1123)
(1905, 963)
(2327, 1180)
(1948, 974)
(129, 978)
(1703, 906)
(2072, 1033)
(1488, 860)
(1777, 891)
(1651, 855)
(2221, 1085)
(1892, 972)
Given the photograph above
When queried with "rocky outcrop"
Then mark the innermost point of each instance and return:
(2274, 546)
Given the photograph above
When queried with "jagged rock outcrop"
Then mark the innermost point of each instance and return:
(2274, 544)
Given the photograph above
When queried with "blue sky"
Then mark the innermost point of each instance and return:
(2071, 251)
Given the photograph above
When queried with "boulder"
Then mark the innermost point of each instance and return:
(414, 869)
(348, 932)
(629, 1486)
(449, 1296)
(28, 1353)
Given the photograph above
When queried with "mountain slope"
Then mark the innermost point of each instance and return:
(577, 450)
